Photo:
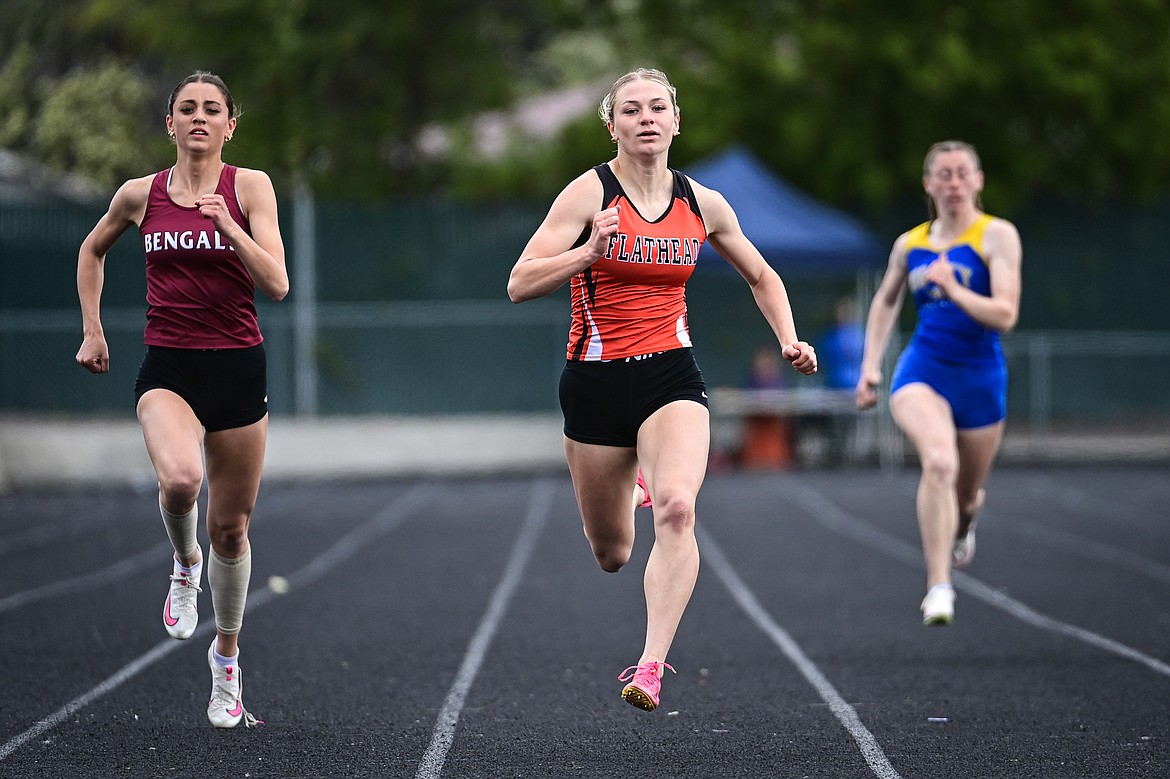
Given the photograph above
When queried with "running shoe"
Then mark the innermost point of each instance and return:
(963, 551)
(181, 611)
(938, 607)
(644, 684)
(226, 707)
(645, 491)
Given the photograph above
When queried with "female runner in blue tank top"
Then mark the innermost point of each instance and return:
(948, 393)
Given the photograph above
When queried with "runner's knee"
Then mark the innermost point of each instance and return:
(611, 559)
(179, 487)
(675, 513)
(941, 464)
(228, 538)
(612, 550)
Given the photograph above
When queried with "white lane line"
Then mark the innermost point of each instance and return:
(386, 520)
(539, 506)
(1055, 538)
(127, 671)
(119, 570)
(828, 514)
(874, 756)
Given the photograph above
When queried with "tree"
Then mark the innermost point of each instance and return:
(336, 92)
(843, 97)
(16, 94)
(65, 130)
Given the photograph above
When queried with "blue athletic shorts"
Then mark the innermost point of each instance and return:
(977, 393)
(605, 402)
(226, 388)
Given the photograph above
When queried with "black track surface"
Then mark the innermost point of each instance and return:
(460, 628)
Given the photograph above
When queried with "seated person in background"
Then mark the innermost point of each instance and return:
(766, 370)
(842, 346)
(766, 440)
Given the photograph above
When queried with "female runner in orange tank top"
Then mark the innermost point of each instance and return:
(601, 236)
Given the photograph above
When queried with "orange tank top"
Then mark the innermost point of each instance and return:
(632, 300)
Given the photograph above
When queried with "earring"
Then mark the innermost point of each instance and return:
(228, 138)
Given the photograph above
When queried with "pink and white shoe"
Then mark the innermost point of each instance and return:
(226, 707)
(181, 610)
(644, 684)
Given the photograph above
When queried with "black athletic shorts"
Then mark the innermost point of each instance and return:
(605, 402)
(226, 388)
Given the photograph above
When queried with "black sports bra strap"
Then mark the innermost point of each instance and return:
(610, 186)
(684, 191)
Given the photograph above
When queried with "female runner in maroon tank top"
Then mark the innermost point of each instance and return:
(211, 237)
(625, 236)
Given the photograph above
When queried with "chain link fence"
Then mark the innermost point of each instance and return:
(409, 315)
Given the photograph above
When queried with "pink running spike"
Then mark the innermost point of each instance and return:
(645, 491)
(644, 684)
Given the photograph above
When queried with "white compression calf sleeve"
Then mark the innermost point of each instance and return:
(181, 528)
(229, 589)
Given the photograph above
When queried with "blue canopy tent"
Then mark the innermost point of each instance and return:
(797, 236)
(795, 233)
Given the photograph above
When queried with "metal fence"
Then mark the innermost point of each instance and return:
(446, 357)
(401, 309)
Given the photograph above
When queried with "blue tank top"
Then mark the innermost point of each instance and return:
(944, 331)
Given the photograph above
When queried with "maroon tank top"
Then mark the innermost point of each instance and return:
(199, 295)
